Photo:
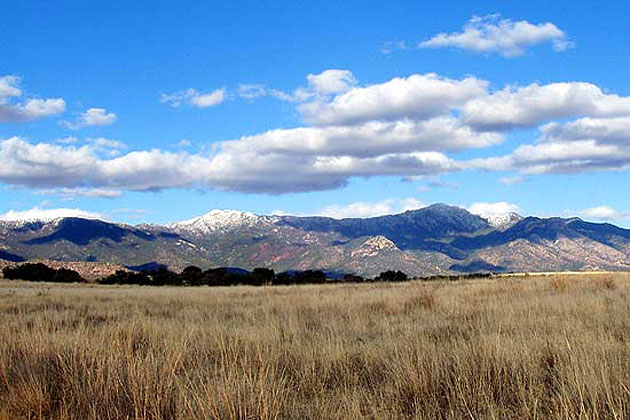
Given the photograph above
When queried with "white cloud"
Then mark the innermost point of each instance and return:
(370, 209)
(493, 209)
(331, 81)
(559, 157)
(419, 96)
(194, 98)
(9, 87)
(393, 164)
(360, 209)
(598, 142)
(411, 204)
(492, 34)
(512, 180)
(606, 213)
(391, 46)
(109, 147)
(531, 105)
(604, 130)
(400, 128)
(208, 99)
(183, 143)
(38, 213)
(30, 109)
(92, 117)
(319, 86)
(368, 139)
(46, 165)
(102, 142)
(72, 193)
(252, 91)
(67, 140)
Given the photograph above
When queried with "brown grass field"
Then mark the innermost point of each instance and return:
(544, 347)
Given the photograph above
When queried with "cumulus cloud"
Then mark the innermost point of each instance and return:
(427, 112)
(604, 130)
(419, 96)
(106, 146)
(560, 157)
(331, 81)
(9, 87)
(606, 213)
(493, 34)
(38, 213)
(319, 86)
(493, 209)
(46, 165)
(402, 128)
(369, 139)
(12, 110)
(32, 109)
(92, 117)
(598, 141)
(534, 104)
(194, 98)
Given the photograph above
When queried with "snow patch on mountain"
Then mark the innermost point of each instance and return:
(502, 221)
(220, 221)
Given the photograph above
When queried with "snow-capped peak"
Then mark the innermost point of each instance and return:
(218, 221)
(502, 221)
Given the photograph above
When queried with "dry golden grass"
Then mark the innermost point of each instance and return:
(508, 348)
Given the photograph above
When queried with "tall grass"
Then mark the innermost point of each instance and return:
(528, 348)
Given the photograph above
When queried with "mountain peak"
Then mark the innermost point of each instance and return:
(217, 220)
(373, 245)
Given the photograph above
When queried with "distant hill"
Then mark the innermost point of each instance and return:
(438, 239)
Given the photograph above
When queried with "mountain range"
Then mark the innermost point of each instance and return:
(438, 239)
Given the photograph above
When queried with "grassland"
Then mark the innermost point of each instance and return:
(553, 347)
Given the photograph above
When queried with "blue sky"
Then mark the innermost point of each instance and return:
(161, 111)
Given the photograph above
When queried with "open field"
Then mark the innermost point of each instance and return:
(537, 347)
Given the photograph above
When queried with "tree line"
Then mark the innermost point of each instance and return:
(195, 276)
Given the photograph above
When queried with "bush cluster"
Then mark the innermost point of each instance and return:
(41, 272)
(195, 276)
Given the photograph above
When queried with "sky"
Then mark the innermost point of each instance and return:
(161, 111)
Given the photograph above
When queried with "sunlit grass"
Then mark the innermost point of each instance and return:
(509, 348)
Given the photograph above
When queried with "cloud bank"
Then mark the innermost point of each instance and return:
(405, 127)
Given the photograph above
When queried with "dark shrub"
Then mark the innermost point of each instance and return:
(41, 272)
(262, 276)
(393, 276)
(192, 276)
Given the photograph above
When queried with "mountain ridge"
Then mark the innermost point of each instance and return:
(436, 239)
